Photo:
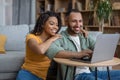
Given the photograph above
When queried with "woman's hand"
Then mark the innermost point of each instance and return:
(55, 37)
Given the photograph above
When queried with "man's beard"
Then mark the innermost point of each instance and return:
(72, 31)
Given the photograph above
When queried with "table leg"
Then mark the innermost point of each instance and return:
(59, 67)
(95, 73)
(74, 73)
(66, 73)
(108, 71)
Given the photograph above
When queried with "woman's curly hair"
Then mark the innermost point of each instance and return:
(38, 29)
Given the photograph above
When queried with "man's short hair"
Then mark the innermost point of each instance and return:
(72, 10)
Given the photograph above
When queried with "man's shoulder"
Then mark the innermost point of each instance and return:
(62, 39)
(64, 34)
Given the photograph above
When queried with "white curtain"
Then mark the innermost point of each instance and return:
(5, 12)
(23, 12)
(14, 12)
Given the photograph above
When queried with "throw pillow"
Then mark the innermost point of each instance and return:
(2, 43)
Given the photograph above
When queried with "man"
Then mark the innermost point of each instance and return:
(75, 43)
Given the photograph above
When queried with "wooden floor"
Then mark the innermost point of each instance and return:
(116, 67)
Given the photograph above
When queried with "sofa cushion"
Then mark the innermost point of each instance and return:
(15, 36)
(94, 34)
(11, 61)
(31, 27)
(2, 43)
(8, 76)
(63, 28)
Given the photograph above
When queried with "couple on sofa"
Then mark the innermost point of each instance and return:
(43, 42)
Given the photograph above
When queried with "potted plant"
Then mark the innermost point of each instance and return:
(103, 11)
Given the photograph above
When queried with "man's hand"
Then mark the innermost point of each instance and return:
(84, 32)
(86, 52)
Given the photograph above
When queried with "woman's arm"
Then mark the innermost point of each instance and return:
(41, 48)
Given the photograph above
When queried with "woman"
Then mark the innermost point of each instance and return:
(38, 41)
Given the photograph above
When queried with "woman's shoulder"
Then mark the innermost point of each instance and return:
(30, 36)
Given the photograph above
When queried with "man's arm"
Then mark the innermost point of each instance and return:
(71, 54)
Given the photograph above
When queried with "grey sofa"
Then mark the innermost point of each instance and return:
(11, 61)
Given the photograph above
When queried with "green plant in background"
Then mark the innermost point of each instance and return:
(104, 9)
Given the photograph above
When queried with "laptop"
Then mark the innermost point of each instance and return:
(104, 49)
